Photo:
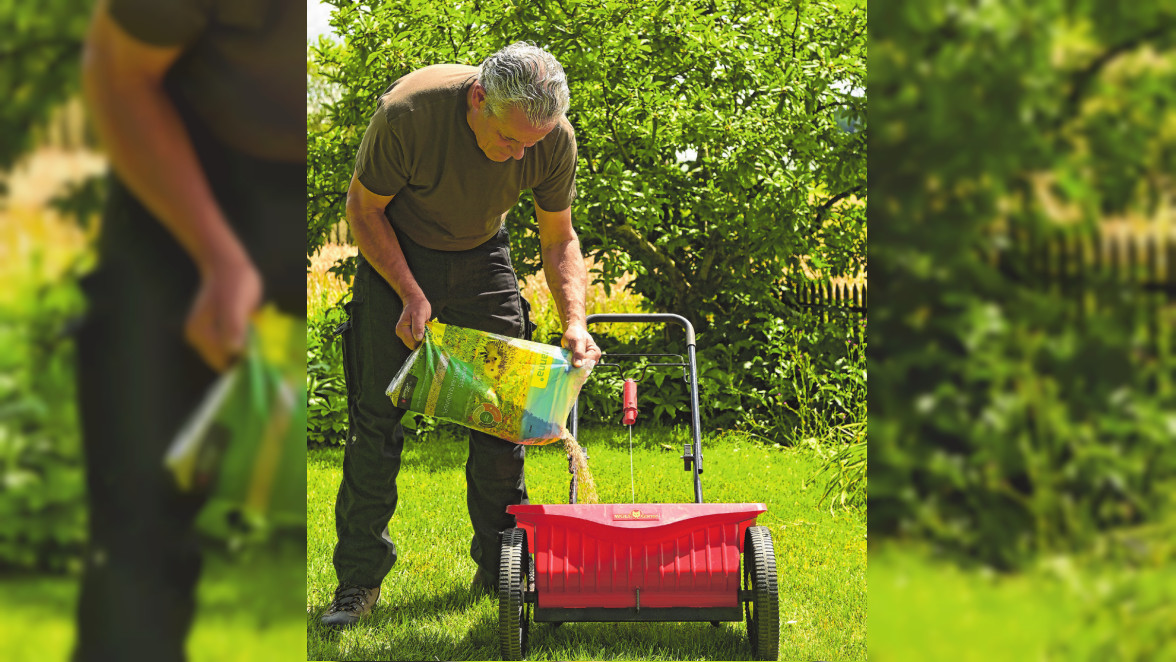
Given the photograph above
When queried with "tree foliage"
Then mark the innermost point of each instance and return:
(713, 155)
(42, 519)
(1003, 422)
(40, 60)
(721, 162)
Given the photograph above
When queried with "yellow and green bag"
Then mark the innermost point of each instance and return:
(514, 389)
(245, 448)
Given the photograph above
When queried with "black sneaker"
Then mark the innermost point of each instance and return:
(351, 604)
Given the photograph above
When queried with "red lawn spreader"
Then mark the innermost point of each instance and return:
(640, 561)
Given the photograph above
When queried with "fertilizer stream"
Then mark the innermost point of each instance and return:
(586, 486)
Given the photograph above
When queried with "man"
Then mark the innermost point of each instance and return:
(445, 157)
(201, 109)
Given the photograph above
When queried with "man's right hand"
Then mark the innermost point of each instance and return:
(411, 326)
(380, 247)
(218, 321)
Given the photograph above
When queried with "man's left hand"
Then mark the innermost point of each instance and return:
(585, 353)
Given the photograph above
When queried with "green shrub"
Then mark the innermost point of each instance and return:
(808, 384)
(326, 390)
(783, 381)
(844, 473)
(42, 512)
(1004, 421)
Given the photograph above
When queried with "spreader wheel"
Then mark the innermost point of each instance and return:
(513, 619)
(762, 612)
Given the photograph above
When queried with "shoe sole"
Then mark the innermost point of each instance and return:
(341, 625)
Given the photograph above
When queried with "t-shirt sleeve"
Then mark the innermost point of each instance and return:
(556, 192)
(162, 22)
(381, 164)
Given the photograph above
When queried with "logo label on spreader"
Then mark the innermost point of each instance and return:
(636, 515)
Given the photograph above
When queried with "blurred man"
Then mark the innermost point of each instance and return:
(200, 107)
(445, 157)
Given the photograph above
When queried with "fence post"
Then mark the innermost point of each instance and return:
(1065, 282)
(1079, 276)
(1130, 289)
(827, 299)
(865, 299)
(1152, 300)
(1168, 295)
(841, 301)
(1116, 264)
(1097, 265)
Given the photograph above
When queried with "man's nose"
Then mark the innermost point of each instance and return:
(518, 153)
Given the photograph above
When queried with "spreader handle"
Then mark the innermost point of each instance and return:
(646, 317)
(693, 455)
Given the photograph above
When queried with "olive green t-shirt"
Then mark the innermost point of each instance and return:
(242, 71)
(448, 195)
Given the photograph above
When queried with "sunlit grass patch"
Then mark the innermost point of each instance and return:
(1116, 601)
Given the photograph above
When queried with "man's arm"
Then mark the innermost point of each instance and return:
(150, 150)
(377, 241)
(563, 264)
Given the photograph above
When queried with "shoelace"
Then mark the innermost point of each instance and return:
(348, 598)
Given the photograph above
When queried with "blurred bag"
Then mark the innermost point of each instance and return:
(244, 447)
(514, 389)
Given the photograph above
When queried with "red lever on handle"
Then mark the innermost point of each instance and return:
(629, 402)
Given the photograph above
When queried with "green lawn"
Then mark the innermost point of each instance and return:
(1113, 604)
(426, 612)
(247, 610)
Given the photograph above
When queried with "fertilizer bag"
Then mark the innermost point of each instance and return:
(517, 390)
(244, 451)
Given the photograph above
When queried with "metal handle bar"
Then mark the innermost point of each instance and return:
(646, 317)
(692, 453)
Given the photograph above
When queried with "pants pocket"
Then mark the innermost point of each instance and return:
(345, 331)
(528, 326)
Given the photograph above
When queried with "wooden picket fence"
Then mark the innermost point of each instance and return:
(1069, 263)
(340, 233)
(1094, 271)
(1132, 274)
(67, 128)
(831, 300)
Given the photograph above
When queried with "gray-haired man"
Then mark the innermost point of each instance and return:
(446, 155)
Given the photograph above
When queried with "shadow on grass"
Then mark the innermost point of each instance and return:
(660, 640)
(398, 629)
(684, 641)
(418, 606)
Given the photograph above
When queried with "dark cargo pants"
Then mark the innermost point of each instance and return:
(137, 382)
(476, 289)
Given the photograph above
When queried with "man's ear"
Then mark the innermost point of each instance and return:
(478, 94)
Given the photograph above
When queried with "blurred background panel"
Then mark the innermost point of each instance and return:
(52, 184)
(1022, 396)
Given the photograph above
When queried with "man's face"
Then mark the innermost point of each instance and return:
(504, 137)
